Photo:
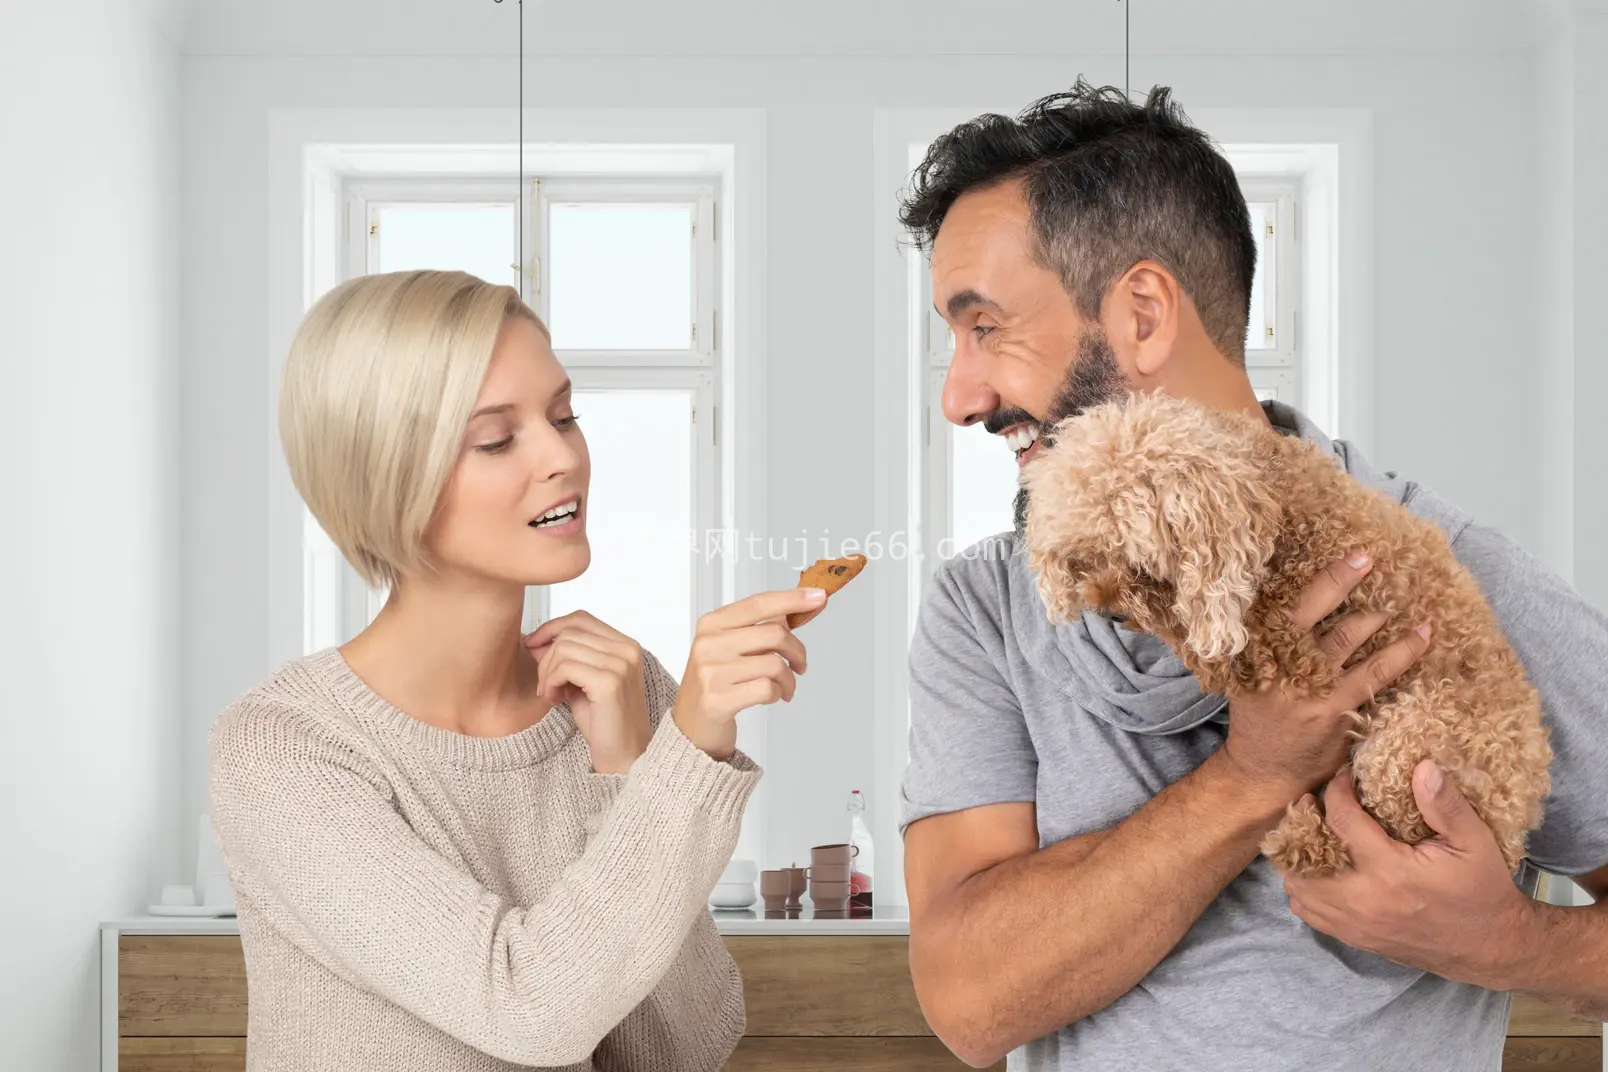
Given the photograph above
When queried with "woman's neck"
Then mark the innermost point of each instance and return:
(452, 656)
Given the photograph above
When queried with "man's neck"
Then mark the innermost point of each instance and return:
(1204, 375)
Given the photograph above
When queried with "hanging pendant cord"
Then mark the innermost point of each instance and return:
(519, 225)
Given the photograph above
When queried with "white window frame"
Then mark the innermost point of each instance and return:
(705, 311)
(364, 199)
(1277, 369)
(696, 370)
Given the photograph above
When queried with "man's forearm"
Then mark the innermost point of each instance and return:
(1566, 962)
(1042, 940)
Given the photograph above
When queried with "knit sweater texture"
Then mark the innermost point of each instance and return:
(413, 898)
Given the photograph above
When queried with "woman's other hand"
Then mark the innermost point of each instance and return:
(743, 655)
(597, 671)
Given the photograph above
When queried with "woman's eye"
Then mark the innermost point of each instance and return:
(497, 447)
(566, 423)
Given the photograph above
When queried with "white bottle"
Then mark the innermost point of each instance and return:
(861, 867)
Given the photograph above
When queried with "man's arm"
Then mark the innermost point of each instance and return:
(1568, 966)
(1008, 943)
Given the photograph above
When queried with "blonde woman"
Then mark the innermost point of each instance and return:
(455, 847)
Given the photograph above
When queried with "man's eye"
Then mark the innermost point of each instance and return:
(982, 330)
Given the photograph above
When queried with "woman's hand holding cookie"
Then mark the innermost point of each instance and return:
(743, 655)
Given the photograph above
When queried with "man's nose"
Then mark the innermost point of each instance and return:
(967, 398)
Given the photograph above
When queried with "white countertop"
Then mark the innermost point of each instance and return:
(806, 921)
(727, 921)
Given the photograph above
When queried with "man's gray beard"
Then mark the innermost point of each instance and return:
(1092, 378)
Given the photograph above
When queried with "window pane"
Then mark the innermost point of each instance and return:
(620, 276)
(481, 239)
(1258, 329)
(639, 520)
(982, 486)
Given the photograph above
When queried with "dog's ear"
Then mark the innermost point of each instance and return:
(1162, 496)
(1219, 525)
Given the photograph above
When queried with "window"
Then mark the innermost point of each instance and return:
(970, 477)
(1270, 333)
(626, 280)
(624, 273)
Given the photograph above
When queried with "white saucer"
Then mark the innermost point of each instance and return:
(189, 910)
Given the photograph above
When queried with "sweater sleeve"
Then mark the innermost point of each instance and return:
(598, 791)
(311, 837)
(702, 987)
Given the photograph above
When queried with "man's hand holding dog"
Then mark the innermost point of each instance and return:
(1283, 748)
(1446, 905)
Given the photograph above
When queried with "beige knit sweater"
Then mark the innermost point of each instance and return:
(412, 898)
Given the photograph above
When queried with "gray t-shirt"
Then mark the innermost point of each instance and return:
(1089, 721)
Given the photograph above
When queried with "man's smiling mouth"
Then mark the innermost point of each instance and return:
(1023, 439)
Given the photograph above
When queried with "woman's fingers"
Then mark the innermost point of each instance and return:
(770, 671)
(582, 628)
(759, 639)
(763, 606)
(548, 630)
(573, 660)
(576, 622)
(757, 693)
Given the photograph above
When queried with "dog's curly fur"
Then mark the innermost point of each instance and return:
(1203, 527)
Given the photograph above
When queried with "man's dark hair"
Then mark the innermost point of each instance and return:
(1109, 183)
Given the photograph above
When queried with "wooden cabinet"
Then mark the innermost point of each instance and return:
(814, 1002)
(1544, 1039)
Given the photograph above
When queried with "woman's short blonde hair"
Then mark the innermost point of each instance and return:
(378, 387)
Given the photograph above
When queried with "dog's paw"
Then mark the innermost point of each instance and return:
(1303, 844)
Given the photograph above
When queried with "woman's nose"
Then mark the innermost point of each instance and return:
(967, 398)
(557, 455)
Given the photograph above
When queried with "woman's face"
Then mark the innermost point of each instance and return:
(523, 458)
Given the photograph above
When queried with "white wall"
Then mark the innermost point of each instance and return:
(1555, 293)
(1456, 385)
(1590, 122)
(89, 551)
(1571, 122)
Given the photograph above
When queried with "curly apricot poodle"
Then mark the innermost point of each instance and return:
(1203, 526)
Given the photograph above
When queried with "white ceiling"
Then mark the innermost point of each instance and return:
(849, 27)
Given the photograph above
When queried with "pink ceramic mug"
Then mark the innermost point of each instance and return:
(776, 887)
(829, 855)
(829, 892)
(830, 873)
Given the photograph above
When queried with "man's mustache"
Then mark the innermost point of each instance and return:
(1001, 419)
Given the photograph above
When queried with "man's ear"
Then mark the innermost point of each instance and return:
(1143, 307)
